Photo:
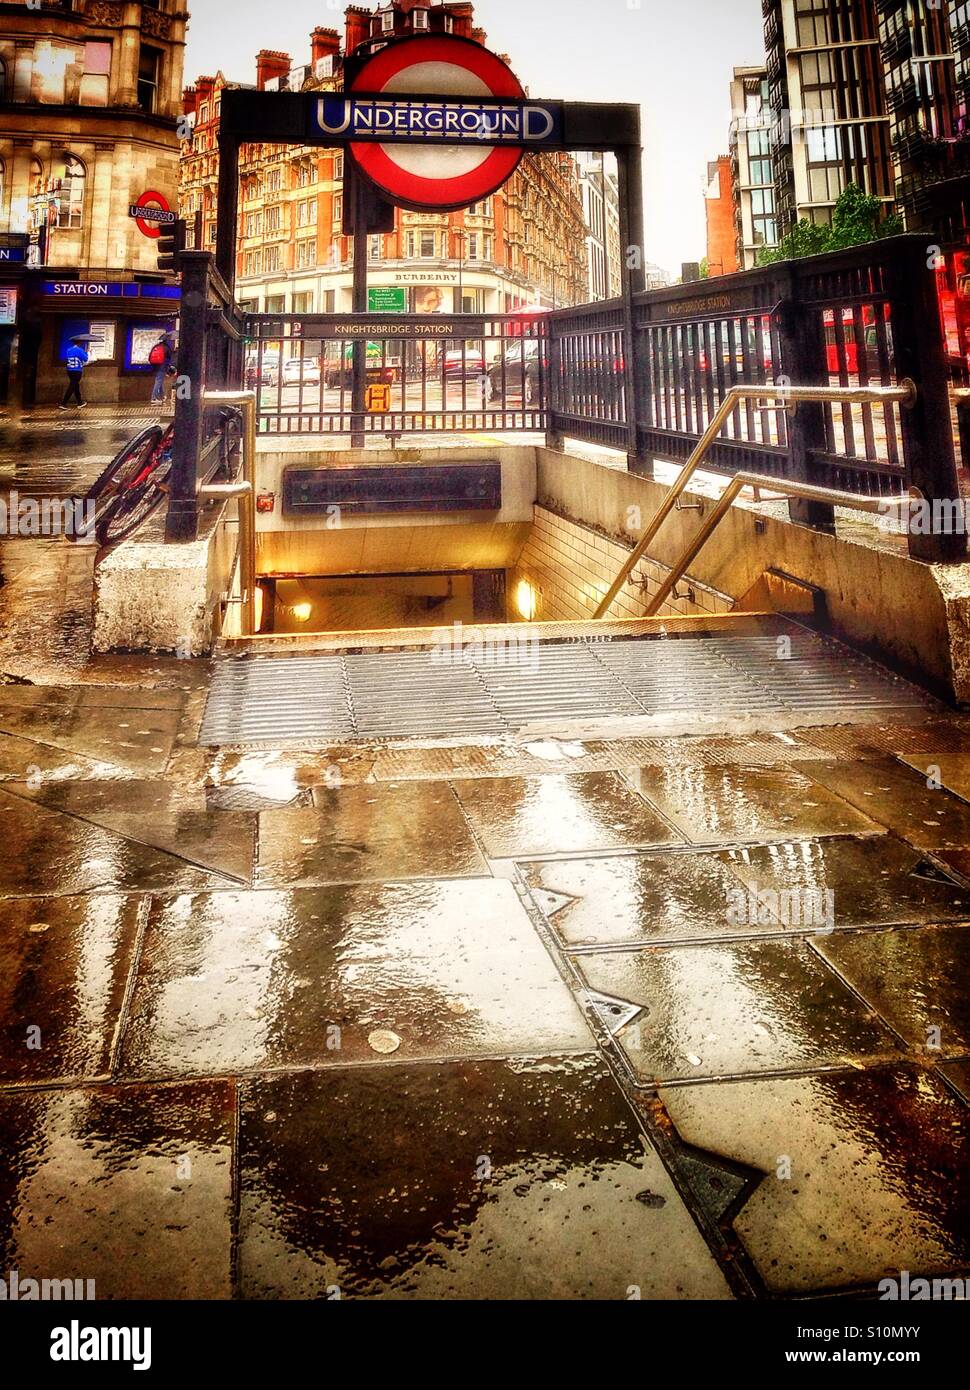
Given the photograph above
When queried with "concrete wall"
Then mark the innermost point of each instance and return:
(880, 601)
(399, 543)
(150, 596)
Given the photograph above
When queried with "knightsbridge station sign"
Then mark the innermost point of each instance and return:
(472, 123)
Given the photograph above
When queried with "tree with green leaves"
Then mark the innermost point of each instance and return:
(857, 218)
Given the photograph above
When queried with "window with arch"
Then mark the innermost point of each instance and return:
(70, 210)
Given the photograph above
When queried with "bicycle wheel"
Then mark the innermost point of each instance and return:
(122, 467)
(131, 509)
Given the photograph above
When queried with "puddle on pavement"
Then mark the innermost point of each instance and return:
(744, 1008)
(873, 881)
(128, 1186)
(415, 830)
(637, 899)
(518, 816)
(490, 1179)
(64, 967)
(879, 1173)
(717, 805)
(238, 982)
(917, 980)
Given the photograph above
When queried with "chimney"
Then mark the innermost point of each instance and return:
(357, 27)
(479, 35)
(270, 64)
(189, 101)
(324, 43)
(463, 15)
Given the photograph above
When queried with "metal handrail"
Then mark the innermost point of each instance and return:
(245, 491)
(903, 394)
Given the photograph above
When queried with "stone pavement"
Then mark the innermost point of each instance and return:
(488, 1021)
(659, 1017)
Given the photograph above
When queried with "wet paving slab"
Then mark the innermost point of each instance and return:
(350, 834)
(43, 851)
(138, 739)
(733, 1010)
(519, 816)
(161, 816)
(509, 1179)
(638, 899)
(64, 968)
(21, 758)
(901, 799)
(872, 881)
(344, 974)
(917, 980)
(724, 805)
(865, 1174)
(958, 1075)
(128, 1186)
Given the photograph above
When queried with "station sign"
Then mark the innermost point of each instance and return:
(534, 124)
(152, 212)
(437, 122)
(13, 255)
(109, 289)
(429, 326)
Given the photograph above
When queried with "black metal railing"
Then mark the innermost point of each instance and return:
(645, 378)
(865, 316)
(210, 358)
(426, 373)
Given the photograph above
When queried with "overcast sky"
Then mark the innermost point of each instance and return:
(673, 57)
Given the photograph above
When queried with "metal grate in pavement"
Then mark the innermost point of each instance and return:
(401, 694)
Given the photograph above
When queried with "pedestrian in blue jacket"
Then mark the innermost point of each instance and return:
(77, 360)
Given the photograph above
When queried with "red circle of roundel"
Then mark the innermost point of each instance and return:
(151, 199)
(411, 189)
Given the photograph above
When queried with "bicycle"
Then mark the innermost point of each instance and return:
(135, 483)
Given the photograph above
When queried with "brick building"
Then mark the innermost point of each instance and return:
(90, 98)
(719, 209)
(524, 245)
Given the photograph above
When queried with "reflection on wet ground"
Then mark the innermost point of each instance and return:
(681, 1016)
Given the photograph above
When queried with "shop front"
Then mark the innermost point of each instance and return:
(121, 321)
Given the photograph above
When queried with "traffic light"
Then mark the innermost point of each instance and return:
(171, 244)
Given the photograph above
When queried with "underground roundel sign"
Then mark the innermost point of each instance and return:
(428, 173)
(151, 213)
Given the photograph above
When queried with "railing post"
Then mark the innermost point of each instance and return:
(183, 510)
(803, 360)
(554, 438)
(927, 427)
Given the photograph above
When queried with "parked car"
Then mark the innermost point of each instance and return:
(468, 365)
(299, 371)
(522, 362)
(381, 367)
(269, 370)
